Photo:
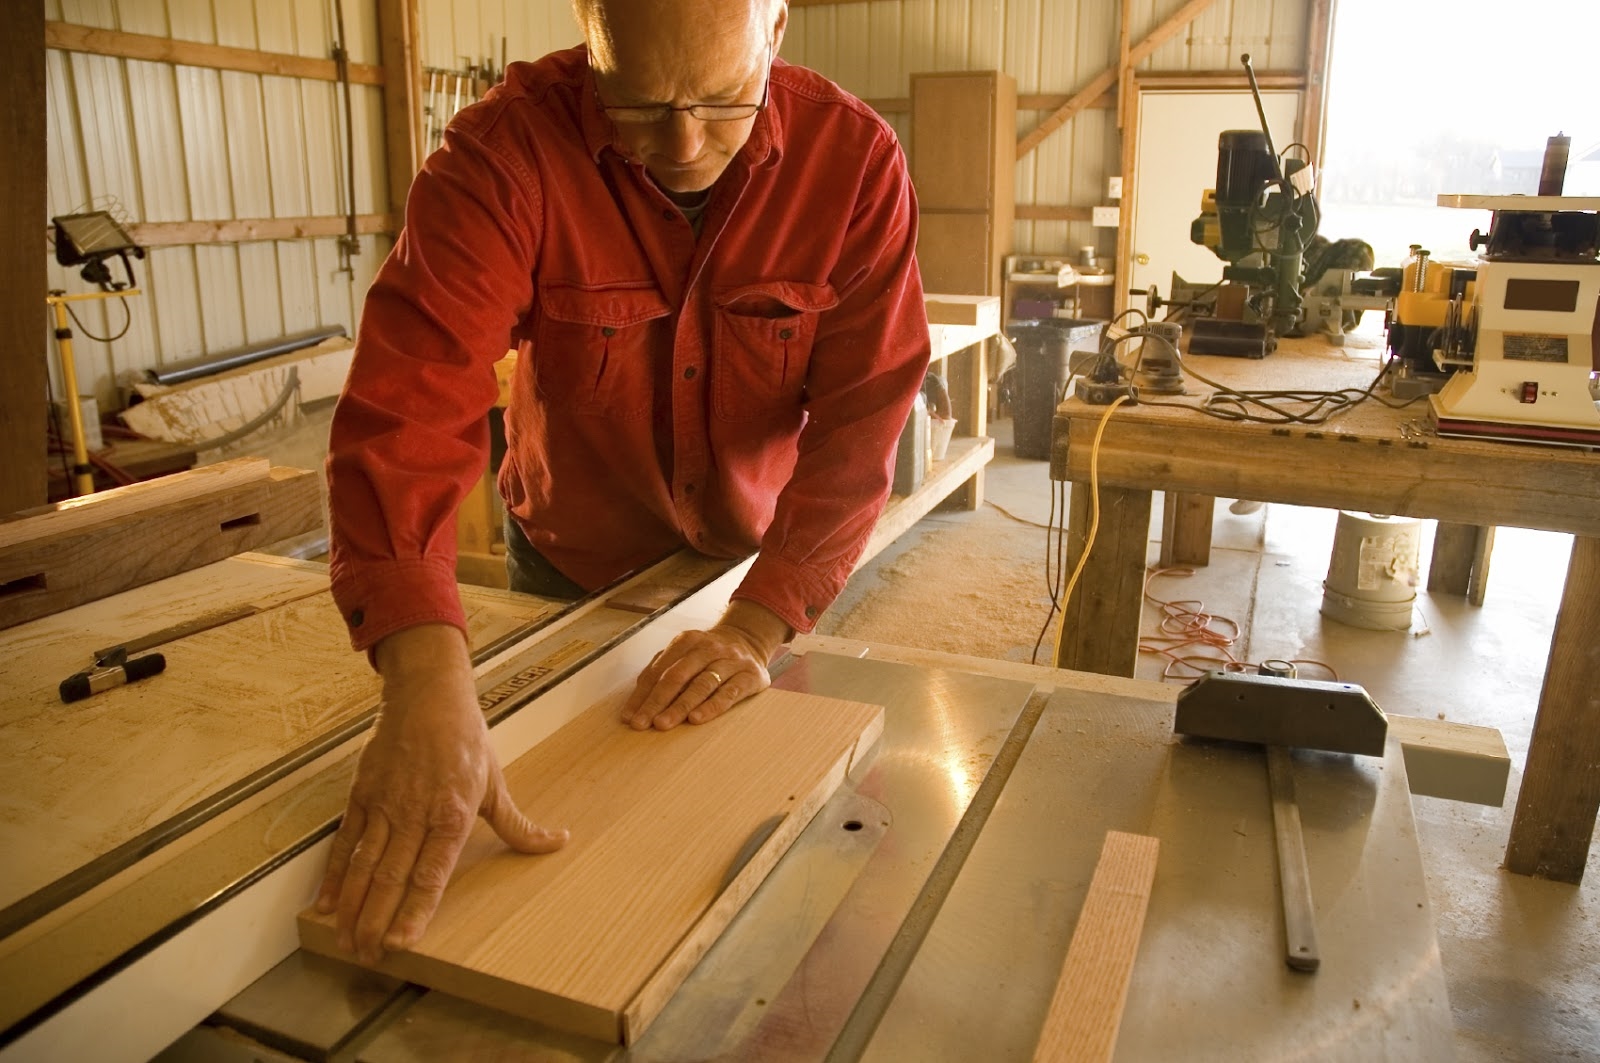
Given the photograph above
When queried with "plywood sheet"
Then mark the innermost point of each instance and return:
(671, 833)
(84, 779)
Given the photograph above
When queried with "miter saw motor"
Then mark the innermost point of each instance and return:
(1259, 219)
(1530, 324)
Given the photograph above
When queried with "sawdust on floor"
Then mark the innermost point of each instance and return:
(973, 583)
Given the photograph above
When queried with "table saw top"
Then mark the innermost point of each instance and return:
(925, 912)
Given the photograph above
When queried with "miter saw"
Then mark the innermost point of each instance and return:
(1259, 219)
(1529, 322)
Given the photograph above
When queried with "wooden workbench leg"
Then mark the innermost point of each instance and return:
(967, 379)
(1560, 795)
(1102, 618)
(1460, 563)
(1186, 529)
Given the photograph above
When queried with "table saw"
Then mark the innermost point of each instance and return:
(923, 914)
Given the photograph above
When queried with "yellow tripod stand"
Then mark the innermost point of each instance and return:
(82, 471)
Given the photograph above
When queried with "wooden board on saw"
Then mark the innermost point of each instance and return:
(86, 782)
(671, 833)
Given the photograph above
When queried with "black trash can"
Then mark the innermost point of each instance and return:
(1043, 348)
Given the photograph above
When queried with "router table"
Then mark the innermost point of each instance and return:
(1371, 459)
(923, 914)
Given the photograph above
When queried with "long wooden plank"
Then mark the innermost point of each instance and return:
(246, 230)
(671, 832)
(1086, 1008)
(39, 576)
(70, 37)
(74, 514)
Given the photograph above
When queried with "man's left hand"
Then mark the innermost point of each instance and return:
(703, 674)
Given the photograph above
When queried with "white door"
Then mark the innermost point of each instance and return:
(1177, 162)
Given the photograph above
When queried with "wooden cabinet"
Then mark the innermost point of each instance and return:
(963, 164)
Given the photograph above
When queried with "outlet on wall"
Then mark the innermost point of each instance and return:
(1107, 217)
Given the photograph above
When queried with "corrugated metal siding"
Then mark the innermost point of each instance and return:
(873, 47)
(160, 143)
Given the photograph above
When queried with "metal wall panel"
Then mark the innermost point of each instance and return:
(155, 142)
(874, 46)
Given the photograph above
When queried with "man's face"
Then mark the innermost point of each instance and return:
(684, 55)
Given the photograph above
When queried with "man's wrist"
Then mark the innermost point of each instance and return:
(423, 649)
(760, 626)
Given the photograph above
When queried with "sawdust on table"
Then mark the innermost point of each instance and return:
(974, 585)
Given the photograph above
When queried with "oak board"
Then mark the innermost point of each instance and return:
(671, 833)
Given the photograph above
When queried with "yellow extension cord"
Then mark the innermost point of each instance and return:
(1094, 521)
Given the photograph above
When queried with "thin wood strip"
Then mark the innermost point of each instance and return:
(1108, 77)
(92, 40)
(1086, 1008)
(45, 576)
(245, 230)
(74, 514)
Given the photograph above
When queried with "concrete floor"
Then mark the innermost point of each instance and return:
(1521, 956)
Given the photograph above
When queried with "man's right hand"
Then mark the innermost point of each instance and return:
(425, 775)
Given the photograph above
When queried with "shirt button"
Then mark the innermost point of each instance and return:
(688, 374)
(811, 612)
(669, 214)
(786, 334)
(688, 489)
(357, 617)
(608, 331)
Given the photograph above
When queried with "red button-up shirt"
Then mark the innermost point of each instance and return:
(740, 391)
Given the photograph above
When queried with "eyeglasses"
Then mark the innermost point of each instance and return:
(705, 112)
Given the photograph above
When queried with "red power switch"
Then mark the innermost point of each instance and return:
(1530, 391)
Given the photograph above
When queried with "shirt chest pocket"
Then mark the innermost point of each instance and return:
(594, 349)
(762, 345)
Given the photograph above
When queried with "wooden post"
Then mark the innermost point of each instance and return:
(402, 102)
(1186, 529)
(1560, 793)
(22, 263)
(1102, 616)
(1314, 104)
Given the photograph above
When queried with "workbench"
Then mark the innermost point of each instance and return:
(923, 914)
(1372, 459)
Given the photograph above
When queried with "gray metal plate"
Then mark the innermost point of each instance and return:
(1210, 981)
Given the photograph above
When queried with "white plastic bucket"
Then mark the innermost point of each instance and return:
(1372, 575)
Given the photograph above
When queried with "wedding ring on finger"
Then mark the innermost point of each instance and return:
(712, 672)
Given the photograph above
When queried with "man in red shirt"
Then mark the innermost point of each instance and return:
(705, 258)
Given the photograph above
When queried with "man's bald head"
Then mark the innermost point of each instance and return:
(677, 54)
(634, 33)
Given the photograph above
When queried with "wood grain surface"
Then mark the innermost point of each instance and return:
(85, 778)
(68, 557)
(671, 832)
(1087, 1006)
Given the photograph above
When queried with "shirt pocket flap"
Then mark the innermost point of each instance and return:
(605, 307)
(796, 295)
